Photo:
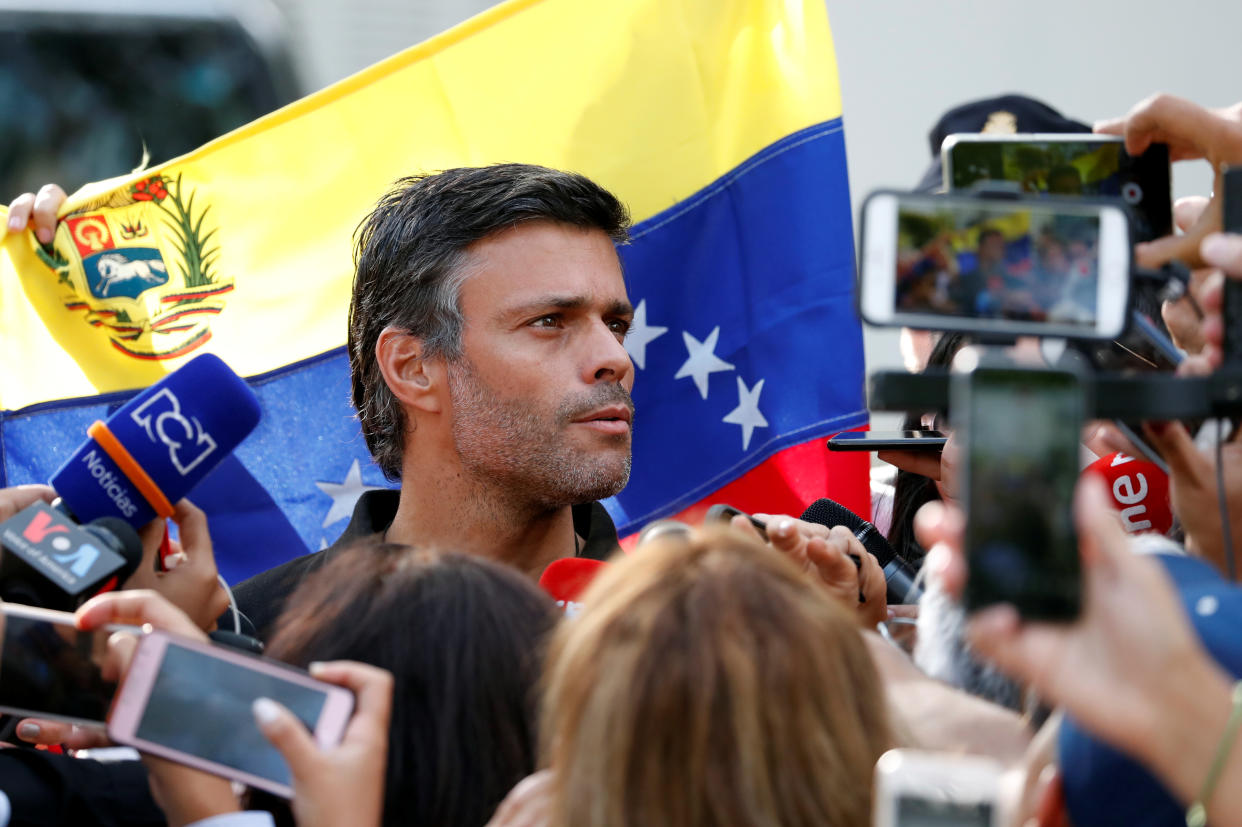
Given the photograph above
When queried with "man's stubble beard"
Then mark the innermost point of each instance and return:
(523, 453)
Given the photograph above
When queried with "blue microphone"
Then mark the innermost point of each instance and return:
(159, 445)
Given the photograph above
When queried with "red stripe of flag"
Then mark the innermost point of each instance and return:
(790, 480)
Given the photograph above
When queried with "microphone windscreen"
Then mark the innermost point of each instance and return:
(1139, 490)
(829, 513)
(568, 578)
(49, 560)
(176, 431)
(128, 544)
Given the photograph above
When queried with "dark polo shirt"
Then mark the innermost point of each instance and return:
(262, 598)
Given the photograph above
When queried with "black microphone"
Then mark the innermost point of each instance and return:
(897, 572)
(51, 562)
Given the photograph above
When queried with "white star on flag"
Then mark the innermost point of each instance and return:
(702, 360)
(641, 334)
(747, 413)
(345, 495)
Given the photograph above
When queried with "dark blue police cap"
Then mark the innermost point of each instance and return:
(1007, 114)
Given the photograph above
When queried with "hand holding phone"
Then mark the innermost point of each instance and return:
(1191, 132)
(185, 795)
(1153, 654)
(191, 702)
(75, 726)
(343, 784)
(51, 669)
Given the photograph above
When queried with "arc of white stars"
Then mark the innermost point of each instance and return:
(640, 335)
(747, 414)
(702, 360)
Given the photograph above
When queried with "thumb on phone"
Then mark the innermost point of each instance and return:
(286, 733)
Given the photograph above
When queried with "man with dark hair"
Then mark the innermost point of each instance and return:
(488, 369)
(982, 289)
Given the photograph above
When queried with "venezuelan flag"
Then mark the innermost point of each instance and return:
(717, 121)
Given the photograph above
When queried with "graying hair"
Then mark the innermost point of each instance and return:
(411, 258)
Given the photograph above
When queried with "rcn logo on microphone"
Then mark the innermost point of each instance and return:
(188, 444)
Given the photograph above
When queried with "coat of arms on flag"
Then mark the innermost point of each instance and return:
(151, 292)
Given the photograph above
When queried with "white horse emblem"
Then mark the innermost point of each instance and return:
(115, 269)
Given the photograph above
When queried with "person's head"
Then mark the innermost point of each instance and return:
(1053, 256)
(489, 310)
(1080, 251)
(463, 638)
(991, 246)
(918, 289)
(708, 681)
(910, 490)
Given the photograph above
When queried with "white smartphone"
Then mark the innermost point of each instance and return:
(1049, 267)
(1071, 164)
(936, 789)
(50, 669)
(190, 702)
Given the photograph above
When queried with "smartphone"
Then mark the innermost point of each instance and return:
(936, 789)
(1021, 430)
(887, 441)
(50, 669)
(190, 702)
(992, 266)
(721, 513)
(1069, 165)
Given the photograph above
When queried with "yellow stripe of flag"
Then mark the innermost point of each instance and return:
(654, 99)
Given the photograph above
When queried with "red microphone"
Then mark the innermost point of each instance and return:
(1140, 491)
(567, 579)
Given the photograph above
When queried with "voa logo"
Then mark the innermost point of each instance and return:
(79, 560)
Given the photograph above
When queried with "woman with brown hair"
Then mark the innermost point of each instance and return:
(709, 682)
(463, 639)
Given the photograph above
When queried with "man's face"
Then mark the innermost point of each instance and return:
(992, 249)
(540, 398)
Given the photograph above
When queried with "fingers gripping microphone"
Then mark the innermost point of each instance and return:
(897, 572)
(51, 562)
(159, 445)
(567, 579)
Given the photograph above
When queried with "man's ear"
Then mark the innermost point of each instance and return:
(415, 380)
